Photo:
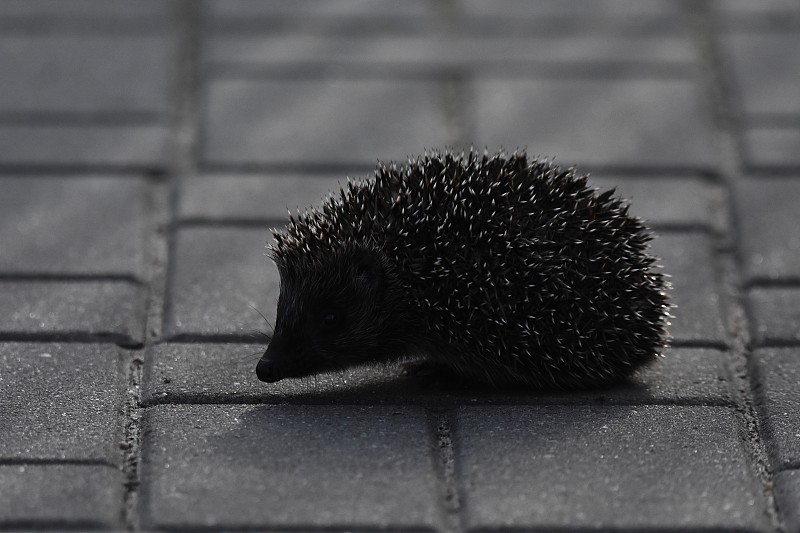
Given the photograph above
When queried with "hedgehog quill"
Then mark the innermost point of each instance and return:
(500, 269)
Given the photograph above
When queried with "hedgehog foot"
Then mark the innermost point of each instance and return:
(431, 374)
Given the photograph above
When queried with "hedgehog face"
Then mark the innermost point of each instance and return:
(332, 314)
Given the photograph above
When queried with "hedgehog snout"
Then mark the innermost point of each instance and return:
(266, 371)
(269, 366)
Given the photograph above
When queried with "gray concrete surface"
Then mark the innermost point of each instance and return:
(146, 147)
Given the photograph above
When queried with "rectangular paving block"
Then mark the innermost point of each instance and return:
(225, 373)
(288, 467)
(637, 467)
(772, 147)
(766, 69)
(688, 258)
(769, 217)
(748, 8)
(493, 52)
(65, 497)
(586, 12)
(117, 145)
(222, 279)
(58, 225)
(787, 498)
(570, 18)
(148, 10)
(245, 9)
(778, 373)
(60, 401)
(597, 122)
(263, 197)
(668, 201)
(111, 310)
(775, 315)
(323, 120)
(83, 73)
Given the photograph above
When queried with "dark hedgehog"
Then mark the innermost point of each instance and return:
(501, 270)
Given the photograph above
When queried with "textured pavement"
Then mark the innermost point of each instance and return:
(146, 147)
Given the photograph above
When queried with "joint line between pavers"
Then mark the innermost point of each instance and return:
(721, 98)
(441, 430)
(131, 442)
(163, 201)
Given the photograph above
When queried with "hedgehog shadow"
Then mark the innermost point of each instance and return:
(266, 435)
(387, 386)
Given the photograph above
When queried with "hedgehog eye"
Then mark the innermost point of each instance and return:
(329, 319)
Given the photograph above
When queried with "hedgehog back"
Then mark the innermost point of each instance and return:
(524, 275)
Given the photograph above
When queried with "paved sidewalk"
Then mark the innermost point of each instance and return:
(146, 147)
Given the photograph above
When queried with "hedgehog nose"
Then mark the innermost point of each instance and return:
(265, 370)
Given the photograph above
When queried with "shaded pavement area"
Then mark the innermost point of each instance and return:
(146, 147)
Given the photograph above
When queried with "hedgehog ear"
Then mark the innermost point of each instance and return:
(369, 269)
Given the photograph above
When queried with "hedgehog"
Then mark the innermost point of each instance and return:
(495, 269)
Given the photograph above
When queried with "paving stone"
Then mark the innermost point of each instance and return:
(340, 467)
(221, 275)
(768, 222)
(671, 201)
(612, 9)
(573, 17)
(338, 16)
(499, 52)
(83, 145)
(772, 147)
(225, 373)
(99, 309)
(148, 10)
(597, 122)
(642, 467)
(81, 73)
(778, 372)
(316, 8)
(766, 69)
(60, 401)
(239, 197)
(688, 259)
(787, 497)
(775, 315)
(747, 7)
(60, 225)
(60, 496)
(766, 15)
(324, 120)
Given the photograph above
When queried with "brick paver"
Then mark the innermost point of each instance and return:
(146, 148)
(222, 280)
(787, 494)
(83, 73)
(688, 257)
(655, 122)
(288, 466)
(778, 371)
(603, 468)
(69, 146)
(60, 497)
(111, 310)
(264, 198)
(323, 120)
(52, 225)
(49, 390)
(767, 209)
(679, 202)
(775, 313)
